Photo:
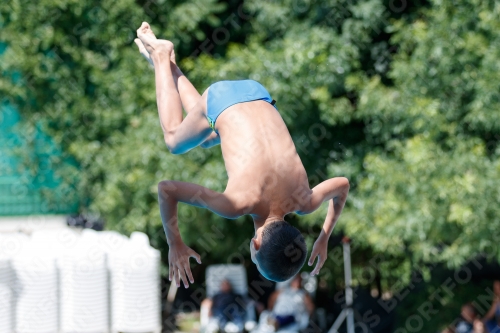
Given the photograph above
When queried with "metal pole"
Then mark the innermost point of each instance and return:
(348, 282)
(338, 322)
(347, 312)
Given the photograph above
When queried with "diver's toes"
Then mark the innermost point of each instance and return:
(143, 28)
(146, 28)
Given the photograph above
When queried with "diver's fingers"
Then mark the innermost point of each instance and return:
(188, 272)
(319, 265)
(196, 256)
(182, 273)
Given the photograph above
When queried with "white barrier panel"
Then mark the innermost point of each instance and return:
(135, 287)
(36, 292)
(67, 281)
(6, 294)
(11, 245)
(84, 287)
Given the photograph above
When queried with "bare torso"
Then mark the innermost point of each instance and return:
(261, 160)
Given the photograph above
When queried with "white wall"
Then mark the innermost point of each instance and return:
(31, 223)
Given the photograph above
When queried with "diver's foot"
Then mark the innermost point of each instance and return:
(143, 51)
(155, 47)
(147, 56)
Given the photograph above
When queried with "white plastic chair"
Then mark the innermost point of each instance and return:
(236, 275)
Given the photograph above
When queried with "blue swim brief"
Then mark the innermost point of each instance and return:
(224, 94)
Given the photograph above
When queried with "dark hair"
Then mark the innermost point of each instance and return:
(282, 252)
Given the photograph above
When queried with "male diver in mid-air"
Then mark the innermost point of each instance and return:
(266, 177)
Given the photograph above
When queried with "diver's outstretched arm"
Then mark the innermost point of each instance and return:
(335, 191)
(172, 192)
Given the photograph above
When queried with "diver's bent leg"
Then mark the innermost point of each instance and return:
(167, 96)
(188, 93)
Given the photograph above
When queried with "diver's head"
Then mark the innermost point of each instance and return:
(279, 251)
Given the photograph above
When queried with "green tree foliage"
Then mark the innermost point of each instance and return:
(431, 185)
(72, 68)
(402, 100)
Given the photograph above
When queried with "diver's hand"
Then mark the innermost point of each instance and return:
(178, 263)
(320, 250)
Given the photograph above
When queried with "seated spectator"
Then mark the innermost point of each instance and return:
(467, 317)
(226, 310)
(492, 317)
(289, 304)
(468, 322)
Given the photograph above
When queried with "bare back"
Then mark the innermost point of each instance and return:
(261, 159)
